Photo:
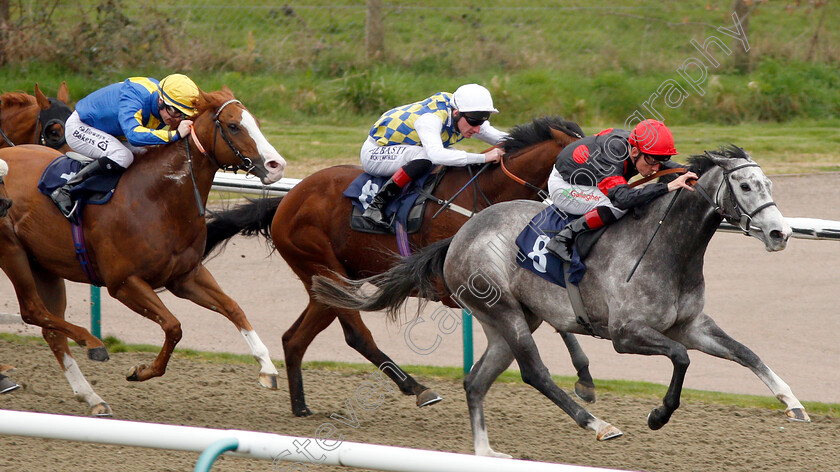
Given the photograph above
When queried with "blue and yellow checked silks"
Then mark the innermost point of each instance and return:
(396, 126)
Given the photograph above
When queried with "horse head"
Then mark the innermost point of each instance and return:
(52, 116)
(744, 196)
(5, 201)
(234, 137)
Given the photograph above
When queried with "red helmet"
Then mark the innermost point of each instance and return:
(654, 138)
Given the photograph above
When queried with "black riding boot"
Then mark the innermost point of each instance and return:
(61, 196)
(561, 244)
(375, 212)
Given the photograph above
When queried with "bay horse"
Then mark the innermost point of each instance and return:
(150, 235)
(657, 312)
(28, 119)
(310, 228)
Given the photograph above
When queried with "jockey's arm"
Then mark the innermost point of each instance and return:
(490, 135)
(429, 128)
(131, 121)
(623, 197)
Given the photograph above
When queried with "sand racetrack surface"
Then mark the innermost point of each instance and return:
(783, 305)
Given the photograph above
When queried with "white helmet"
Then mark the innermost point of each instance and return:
(473, 97)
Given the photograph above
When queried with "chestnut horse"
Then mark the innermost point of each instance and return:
(311, 230)
(27, 119)
(150, 235)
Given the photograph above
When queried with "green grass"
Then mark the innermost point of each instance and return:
(617, 387)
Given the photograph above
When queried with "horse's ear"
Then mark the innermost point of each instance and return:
(560, 137)
(226, 89)
(42, 100)
(63, 93)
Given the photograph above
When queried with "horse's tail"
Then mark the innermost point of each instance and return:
(416, 275)
(248, 219)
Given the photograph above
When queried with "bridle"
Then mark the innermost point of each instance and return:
(245, 163)
(46, 119)
(742, 215)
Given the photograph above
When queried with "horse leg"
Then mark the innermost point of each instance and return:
(358, 336)
(705, 335)
(137, 295)
(314, 319)
(33, 296)
(496, 358)
(201, 288)
(584, 387)
(510, 322)
(81, 388)
(53, 293)
(635, 337)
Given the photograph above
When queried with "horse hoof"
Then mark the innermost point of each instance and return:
(428, 397)
(302, 413)
(798, 414)
(492, 453)
(98, 354)
(7, 369)
(134, 373)
(656, 420)
(101, 410)
(585, 392)
(270, 381)
(608, 432)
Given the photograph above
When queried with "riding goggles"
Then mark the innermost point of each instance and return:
(653, 160)
(176, 113)
(476, 118)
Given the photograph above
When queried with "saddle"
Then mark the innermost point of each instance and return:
(409, 207)
(96, 190)
(535, 257)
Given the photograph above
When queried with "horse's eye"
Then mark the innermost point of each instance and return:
(745, 187)
(233, 127)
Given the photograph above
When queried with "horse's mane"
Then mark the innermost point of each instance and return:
(17, 98)
(700, 163)
(210, 100)
(539, 130)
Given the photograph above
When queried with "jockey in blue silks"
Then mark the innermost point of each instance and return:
(114, 122)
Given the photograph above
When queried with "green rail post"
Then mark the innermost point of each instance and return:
(213, 451)
(95, 312)
(466, 318)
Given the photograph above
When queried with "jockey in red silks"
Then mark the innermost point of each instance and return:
(590, 178)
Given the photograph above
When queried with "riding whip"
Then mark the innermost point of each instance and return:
(667, 210)
(445, 204)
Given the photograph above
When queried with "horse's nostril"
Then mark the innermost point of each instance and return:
(776, 234)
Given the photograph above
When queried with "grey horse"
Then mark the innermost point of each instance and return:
(659, 311)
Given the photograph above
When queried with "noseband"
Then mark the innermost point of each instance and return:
(743, 216)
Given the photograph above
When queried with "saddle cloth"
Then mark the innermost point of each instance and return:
(409, 206)
(536, 258)
(95, 190)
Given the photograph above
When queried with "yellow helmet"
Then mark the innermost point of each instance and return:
(179, 91)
